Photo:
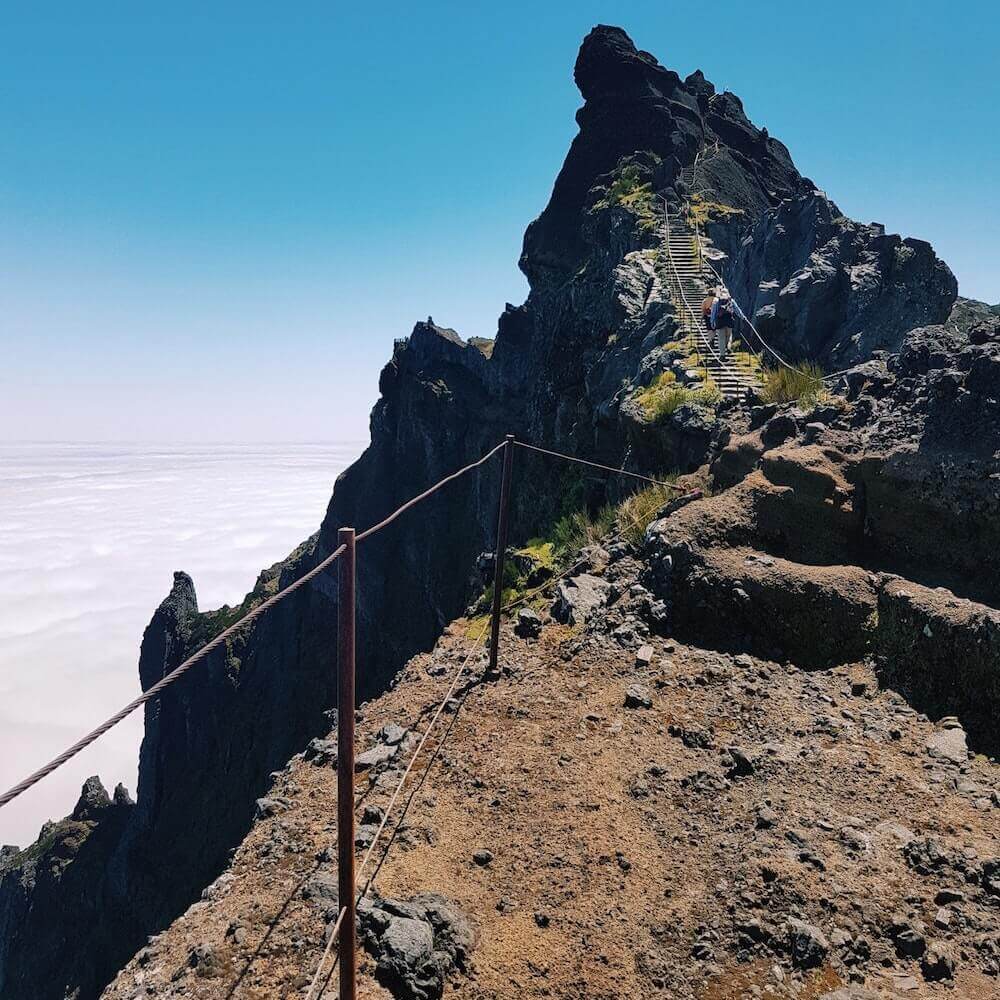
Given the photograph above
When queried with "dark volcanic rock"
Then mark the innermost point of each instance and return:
(415, 943)
(821, 287)
(562, 371)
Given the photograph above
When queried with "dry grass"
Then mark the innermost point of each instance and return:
(800, 384)
(637, 512)
(664, 396)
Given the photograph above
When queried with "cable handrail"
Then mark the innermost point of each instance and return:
(363, 891)
(746, 319)
(368, 532)
(166, 681)
(693, 315)
(254, 613)
(597, 465)
(227, 633)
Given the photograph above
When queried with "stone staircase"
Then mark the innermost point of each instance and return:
(687, 281)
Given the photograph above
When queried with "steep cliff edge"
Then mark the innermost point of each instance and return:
(564, 370)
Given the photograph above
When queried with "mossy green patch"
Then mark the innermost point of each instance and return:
(664, 396)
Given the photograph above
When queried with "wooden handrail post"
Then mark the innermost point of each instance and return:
(501, 550)
(346, 607)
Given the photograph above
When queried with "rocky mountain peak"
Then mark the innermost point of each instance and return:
(609, 65)
(570, 368)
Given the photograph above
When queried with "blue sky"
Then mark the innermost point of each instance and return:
(217, 217)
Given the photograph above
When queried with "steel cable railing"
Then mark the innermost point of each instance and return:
(746, 319)
(348, 567)
(221, 639)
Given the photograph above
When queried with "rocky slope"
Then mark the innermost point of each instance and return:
(911, 488)
(622, 815)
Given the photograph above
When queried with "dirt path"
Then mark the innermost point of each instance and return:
(631, 853)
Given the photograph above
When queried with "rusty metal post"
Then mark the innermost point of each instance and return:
(501, 550)
(346, 604)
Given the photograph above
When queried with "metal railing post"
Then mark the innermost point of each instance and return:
(501, 550)
(346, 606)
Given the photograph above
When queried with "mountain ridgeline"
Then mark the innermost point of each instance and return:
(564, 371)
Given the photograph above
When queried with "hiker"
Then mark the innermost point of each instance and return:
(706, 308)
(722, 322)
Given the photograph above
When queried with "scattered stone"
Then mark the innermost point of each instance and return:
(949, 745)
(365, 834)
(938, 963)
(704, 782)
(391, 734)
(638, 696)
(579, 597)
(644, 656)
(991, 877)
(856, 840)
(375, 757)
(542, 919)
(693, 739)
(807, 944)
(415, 943)
(742, 766)
(372, 814)
(207, 961)
(767, 818)
(321, 752)
(529, 624)
(946, 896)
(482, 857)
(322, 890)
(908, 936)
(266, 807)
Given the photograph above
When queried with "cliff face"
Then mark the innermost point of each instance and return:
(561, 372)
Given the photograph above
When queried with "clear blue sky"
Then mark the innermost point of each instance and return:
(217, 217)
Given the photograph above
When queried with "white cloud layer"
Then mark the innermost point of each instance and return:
(89, 538)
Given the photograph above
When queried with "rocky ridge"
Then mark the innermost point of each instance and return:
(899, 477)
(621, 814)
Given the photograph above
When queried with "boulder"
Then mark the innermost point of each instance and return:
(415, 943)
(578, 597)
(529, 624)
(807, 944)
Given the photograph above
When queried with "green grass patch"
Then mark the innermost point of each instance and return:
(637, 512)
(700, 210)
(572, 532)
(628, 190)
(800, 384)
(664, 396)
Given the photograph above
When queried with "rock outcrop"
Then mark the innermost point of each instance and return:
(564, 371)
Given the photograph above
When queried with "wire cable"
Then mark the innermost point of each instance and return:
(368, 532)
(166, 681)
(388, 810)
(597, 465)
(221, 638)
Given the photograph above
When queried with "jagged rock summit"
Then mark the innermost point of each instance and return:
(578, 366)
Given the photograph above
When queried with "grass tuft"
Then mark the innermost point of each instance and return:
(701, 210)
(637, 512)
(664, 396)
(801, 384)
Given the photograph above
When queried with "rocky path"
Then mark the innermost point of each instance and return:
(618, 816)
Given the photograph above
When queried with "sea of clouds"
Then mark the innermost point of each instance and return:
(89, 538)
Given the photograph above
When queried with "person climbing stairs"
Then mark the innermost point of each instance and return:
(687, 280)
